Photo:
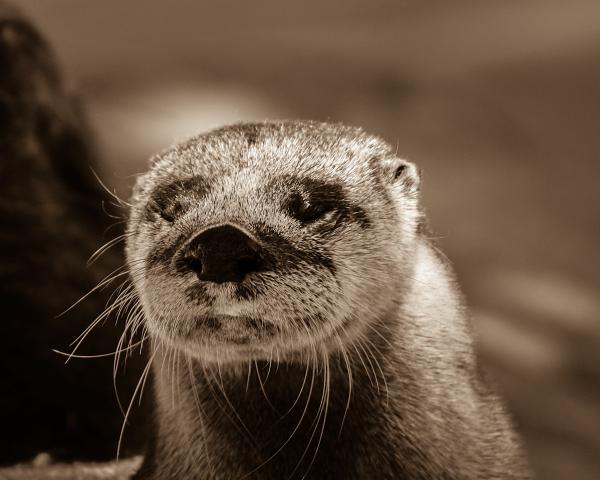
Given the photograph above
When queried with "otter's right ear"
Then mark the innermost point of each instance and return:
(401, 174)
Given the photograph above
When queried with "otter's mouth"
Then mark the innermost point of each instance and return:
(232, 330)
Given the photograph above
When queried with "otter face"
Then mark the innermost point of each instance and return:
(262, 240)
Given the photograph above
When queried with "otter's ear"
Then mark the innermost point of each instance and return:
(401, 174)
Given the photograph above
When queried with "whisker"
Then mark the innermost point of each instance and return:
(135, 392)
(246, 435)
(120, 201)
(310, 364)
(104, 248)
(101, 355)
(350, 379)
(262, 387)
(201, 415)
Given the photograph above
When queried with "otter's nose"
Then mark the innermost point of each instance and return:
(224, 254)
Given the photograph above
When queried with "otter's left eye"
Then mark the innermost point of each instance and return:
(308, 208)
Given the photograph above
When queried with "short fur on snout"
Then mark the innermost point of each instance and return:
(335, 257)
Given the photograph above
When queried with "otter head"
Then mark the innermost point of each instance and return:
(270, 239)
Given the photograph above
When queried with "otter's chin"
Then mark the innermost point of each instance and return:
(222, 337)
(226, 338)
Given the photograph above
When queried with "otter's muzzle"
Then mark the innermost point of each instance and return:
(224, 254)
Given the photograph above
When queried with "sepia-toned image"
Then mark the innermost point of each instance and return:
(300, 240)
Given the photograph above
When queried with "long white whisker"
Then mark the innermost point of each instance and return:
(140, 382)
(110, 192)
(101, 355)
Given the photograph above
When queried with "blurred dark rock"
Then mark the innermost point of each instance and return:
(52, 221)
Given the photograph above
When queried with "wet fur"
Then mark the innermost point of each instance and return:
(356, 358)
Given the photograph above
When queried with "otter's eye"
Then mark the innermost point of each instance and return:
(166, 210)
(170, 201)
(308, 209)
(165, 203)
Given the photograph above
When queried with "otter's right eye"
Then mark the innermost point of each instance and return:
(170, 201)
(165, 204)
(166, 211)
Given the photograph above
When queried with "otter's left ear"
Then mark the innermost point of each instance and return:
(401, 174)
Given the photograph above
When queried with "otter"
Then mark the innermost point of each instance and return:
(301, 323)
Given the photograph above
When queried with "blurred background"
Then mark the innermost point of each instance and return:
(497, 101)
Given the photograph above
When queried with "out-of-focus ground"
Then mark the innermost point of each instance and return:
(497, 101)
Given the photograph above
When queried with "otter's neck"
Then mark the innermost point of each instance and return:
(280, 420)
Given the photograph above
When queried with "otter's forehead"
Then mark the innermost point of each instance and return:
(291, 148)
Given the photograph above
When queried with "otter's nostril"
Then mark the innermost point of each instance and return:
(248, 264)
(195, 265)
(224, 254)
